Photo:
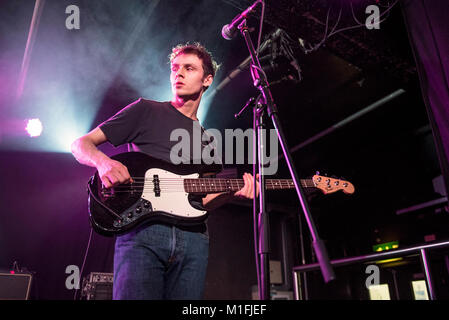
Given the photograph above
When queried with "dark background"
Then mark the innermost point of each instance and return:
(388, 154)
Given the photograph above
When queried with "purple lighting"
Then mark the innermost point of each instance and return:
(34, 127)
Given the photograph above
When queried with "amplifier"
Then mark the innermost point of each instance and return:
(97, 286)
(15, 286)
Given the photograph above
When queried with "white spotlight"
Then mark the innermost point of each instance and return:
(34, 127)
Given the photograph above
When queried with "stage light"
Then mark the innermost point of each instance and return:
(34, 127)
(66, 117)
(67, 133)
(65, 141)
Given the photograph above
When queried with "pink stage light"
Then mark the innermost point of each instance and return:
(34, 127)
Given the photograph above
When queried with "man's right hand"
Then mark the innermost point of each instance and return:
(85, 150)
(113, 173)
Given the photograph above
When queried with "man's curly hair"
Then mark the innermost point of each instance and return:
(210, 66)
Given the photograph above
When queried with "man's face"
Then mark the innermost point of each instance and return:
(187, 75)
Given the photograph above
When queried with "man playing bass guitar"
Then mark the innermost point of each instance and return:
(159, 260)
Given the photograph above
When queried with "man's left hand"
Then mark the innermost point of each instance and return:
(247, 191)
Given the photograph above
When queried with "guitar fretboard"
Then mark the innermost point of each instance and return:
(214, 185)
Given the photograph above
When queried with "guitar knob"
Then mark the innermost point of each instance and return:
(139, 209)
(146, 204)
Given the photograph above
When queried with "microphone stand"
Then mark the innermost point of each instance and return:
(264, 104)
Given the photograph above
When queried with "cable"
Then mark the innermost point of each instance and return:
(259, 69)
(84, 260)
(260, 27)
(363, 25)
(334, 32)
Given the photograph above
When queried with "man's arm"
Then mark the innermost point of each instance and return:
(85, 150)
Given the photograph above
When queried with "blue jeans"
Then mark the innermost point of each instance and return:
(160, 262)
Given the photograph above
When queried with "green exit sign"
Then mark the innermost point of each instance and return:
(386, 246)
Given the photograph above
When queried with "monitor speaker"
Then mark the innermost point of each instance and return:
(97, 286)
(15, 286)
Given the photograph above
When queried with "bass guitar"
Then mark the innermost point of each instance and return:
(162, 191)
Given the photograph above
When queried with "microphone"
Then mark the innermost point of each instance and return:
(230, 30)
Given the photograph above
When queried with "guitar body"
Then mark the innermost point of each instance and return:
(159, 197)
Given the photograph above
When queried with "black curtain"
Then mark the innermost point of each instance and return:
(427, 23)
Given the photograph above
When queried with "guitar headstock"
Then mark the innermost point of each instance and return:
(330, 185)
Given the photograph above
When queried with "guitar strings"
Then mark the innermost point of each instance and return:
(205, 184)
(212, 182)
(200, 185)
(215, 180)
(180, 188)
(218, 181)
(218, 185)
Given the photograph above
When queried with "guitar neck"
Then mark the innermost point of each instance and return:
(214, 185)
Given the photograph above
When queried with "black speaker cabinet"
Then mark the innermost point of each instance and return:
(97, 286)
(15, 286)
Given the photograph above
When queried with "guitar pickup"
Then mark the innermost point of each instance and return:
(156, 185)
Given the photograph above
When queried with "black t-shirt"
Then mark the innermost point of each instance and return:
(146, 126)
